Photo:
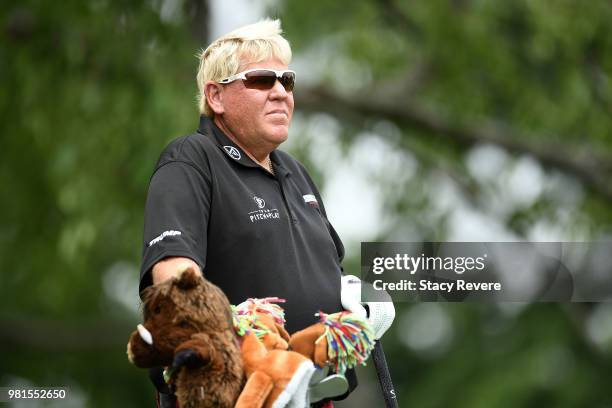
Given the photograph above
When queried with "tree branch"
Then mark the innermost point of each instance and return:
(594, 171)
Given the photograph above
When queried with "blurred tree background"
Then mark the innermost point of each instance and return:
(455, 120)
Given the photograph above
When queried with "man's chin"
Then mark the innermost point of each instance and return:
(278, 134)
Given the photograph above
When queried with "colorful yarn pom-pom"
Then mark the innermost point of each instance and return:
(264, 305)
(245, 315)
(350, 339)
(242, 325)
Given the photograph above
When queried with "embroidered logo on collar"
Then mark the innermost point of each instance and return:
(233, 152)
(260, 202)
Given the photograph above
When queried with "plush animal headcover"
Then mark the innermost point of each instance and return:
(188, 327)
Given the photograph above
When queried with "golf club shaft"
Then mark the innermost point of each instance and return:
(384, 376)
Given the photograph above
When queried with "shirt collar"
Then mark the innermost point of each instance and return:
(232, 150)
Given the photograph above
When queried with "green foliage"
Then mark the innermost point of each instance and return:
(92, 91)
(538, 73)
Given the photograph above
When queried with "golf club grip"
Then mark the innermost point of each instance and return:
(384, 377)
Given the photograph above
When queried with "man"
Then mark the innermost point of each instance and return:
(227, 202)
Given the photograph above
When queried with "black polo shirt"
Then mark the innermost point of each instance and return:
(254, 234)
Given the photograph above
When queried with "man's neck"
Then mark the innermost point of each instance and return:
(259, 156)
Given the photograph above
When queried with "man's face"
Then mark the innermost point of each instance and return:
(258, 118)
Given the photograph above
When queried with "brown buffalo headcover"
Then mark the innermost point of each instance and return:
(188, 327)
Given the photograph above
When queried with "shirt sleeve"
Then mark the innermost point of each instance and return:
(176, 216)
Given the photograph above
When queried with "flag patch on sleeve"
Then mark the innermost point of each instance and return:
(311, 200)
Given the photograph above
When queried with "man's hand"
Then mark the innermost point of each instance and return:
(381, 314)
(170, 267)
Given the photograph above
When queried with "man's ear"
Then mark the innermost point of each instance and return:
(214, 96)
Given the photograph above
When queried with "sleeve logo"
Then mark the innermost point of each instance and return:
(311, 200)
(163, 235)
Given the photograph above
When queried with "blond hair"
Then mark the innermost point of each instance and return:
(229, 53)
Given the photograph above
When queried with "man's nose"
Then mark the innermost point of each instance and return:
(278, 91)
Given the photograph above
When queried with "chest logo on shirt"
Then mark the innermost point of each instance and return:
(233, 152)
(262, 213)
(260, 202)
